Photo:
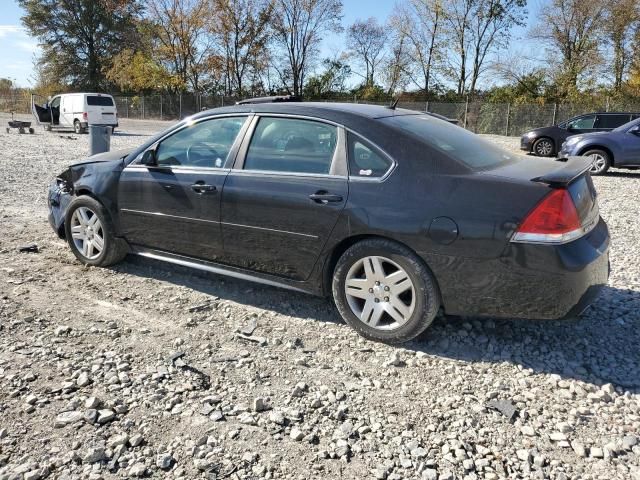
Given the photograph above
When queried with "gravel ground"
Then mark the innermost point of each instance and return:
(149, 370)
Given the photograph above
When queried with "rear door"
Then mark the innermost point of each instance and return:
(174, 206)
(283, 198)
(608, 121)
(101, 109)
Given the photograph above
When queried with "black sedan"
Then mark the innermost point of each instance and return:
(395, 214)
(546, 141)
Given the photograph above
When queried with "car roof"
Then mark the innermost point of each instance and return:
(607, 113)
(328, 110)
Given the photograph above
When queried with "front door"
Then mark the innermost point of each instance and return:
(174, 205)
(54, 108)
(283, 199)
(630, 151)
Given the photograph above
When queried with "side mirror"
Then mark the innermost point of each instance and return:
(635, 130)
(149, 158)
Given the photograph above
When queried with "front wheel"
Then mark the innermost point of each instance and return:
(90, 233)
(600, 161)
(543, 147)
(384, 291)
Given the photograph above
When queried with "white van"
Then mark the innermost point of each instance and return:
(78, 111)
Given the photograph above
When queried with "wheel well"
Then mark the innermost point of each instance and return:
(544, 137)
(598, 147)
(344, 245)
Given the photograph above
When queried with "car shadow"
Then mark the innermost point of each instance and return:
(623, 174)
(602, 346)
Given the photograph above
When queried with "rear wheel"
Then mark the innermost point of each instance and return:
(543, 147)
(384, 291)
(601, 161)
(77, 127)
(90, 233)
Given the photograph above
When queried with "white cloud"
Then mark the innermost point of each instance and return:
(6, 30)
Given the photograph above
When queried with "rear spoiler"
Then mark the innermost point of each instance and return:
(571, 169)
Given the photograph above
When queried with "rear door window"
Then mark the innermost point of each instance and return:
(365, 161)
(611, 120)
(99, 101)
(291, 145)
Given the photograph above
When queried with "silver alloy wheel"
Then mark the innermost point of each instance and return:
(544, 148)
(87, 233)
(380, 293)
(598, 163)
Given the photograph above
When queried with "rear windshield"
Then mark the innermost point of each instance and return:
(455, 142)
(95, 100)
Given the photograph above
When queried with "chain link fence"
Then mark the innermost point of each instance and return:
(477, 116)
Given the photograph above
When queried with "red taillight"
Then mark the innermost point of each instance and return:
(85, 116)
(554, 220)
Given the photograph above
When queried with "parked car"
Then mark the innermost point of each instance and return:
(394, 213)
(546, 141)
(619, 148)
(77, 111)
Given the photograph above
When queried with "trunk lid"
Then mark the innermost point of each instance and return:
(571, 173)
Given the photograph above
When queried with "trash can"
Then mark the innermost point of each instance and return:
(99, 139)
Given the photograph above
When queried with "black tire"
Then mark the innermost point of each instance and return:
(604, 162)
(543, 147)
(77, 127)
(427, 296)
(114, 250)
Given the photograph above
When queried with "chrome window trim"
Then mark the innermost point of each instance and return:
(178, 169)
(271, 173)
(370, 179)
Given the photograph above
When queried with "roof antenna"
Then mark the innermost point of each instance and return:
(394, 104)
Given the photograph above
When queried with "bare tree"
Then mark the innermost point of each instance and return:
(366, 39)
(298, 28)
(420, 23)
(397, 65)
(242, 30)
(490, 27)
(572, 30)
(183, 40)
(457, 17)
(623, 20)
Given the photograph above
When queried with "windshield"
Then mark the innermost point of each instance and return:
(627, 126)
(455, 142)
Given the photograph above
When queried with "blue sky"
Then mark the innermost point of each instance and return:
(17, 49)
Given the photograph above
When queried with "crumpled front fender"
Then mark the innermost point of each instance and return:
(58, 200)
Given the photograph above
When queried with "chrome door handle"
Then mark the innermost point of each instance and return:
(203, 188)
(323, 197)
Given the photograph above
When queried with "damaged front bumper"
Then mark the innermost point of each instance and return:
(59, 198)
